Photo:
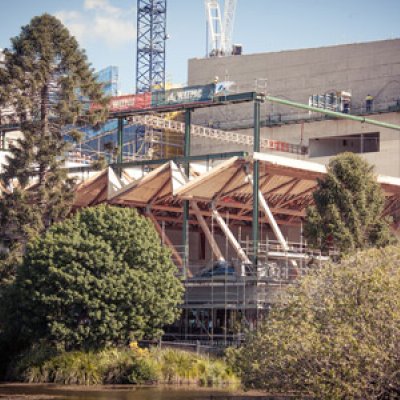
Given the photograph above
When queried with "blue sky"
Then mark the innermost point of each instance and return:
(107, 28)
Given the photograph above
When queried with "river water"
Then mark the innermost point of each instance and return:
(53, 392)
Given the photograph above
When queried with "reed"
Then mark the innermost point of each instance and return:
(121, 366)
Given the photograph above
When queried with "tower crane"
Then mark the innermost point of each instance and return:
(220, 29)
(151, 37)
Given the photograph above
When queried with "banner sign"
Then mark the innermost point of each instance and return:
(130, 102)
(189, 94)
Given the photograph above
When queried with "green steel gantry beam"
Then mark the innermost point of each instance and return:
(332, 113)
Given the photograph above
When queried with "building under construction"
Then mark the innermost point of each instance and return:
(231, 281)
(233, 221)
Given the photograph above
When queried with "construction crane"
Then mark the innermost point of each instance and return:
(220, 29)
(151, 37)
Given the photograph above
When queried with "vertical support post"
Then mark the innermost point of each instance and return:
(186, 153)
(256, 174)
(362, 143)
(2, 141)
(120, 142)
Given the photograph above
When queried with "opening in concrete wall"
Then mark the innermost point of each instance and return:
(356, 143)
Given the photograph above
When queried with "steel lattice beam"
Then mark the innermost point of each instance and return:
(151, 36)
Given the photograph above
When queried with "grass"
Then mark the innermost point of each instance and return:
(121, 366)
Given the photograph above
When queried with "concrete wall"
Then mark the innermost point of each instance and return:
(361, 68)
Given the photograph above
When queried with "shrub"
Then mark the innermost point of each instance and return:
(124, 366)
(74, 368)
(338, 335)
(120, 366)
(95, 280)
(28, 366)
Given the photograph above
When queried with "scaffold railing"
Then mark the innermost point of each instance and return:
(157, 122)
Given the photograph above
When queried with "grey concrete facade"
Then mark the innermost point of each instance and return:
(361, 69)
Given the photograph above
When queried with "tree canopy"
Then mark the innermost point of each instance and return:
(336, 336)
(101, 277)
(48, 82)
(348, 207)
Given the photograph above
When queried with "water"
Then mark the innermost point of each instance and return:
(52, 392)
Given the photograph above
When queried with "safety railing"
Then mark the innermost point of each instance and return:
(156, 122)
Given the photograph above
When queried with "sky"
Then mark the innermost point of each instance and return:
(106, 29)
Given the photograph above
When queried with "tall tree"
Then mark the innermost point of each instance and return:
(101, 277)
(348, 207)
(46, 75)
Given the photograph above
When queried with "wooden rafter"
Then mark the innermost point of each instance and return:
(94, 201)
(179, 210)
(276, 210)
(389, 207)
(282, 185)
(267, 180)
(227, 184)
(240, 187)
(297, 196)
(159, 191)
(288, 190)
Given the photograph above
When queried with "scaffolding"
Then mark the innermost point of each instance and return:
(219, 307)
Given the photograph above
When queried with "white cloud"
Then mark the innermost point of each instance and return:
(101, 22)
(102, 5)
(113, 30)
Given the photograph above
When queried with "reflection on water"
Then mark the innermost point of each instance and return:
(52, 392)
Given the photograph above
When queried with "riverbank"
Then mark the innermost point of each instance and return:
(40, 391)
(132, 365)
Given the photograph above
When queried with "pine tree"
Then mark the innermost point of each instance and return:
(348, 208)
(46, 76)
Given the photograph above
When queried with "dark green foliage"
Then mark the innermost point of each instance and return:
(44, 77)
(337, 336)
(348, 208)
(99, 278)
(22, 367)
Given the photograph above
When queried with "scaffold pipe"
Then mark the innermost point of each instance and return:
(332, 113)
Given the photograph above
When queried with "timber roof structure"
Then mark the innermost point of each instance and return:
(287, 185)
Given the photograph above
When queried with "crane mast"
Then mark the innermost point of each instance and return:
(151, 36)
(220, 29)
(227, 27)
(214, 23)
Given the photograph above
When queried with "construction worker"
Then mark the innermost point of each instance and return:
(368, 103)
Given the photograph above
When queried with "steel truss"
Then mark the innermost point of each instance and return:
(151, 36)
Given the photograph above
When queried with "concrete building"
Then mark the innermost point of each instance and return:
(358, 70)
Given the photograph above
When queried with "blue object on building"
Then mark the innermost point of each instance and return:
(109, 78)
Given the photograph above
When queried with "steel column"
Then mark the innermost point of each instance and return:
(185, 227)
(120, 139)
(120, 132)
(256, 174)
